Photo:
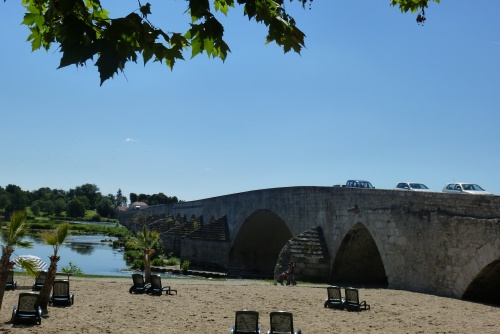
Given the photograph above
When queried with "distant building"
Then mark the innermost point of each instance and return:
(122, 208)
(138, 205)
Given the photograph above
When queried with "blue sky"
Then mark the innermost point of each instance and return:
(373, 96)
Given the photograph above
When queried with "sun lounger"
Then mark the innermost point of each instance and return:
(246, 322)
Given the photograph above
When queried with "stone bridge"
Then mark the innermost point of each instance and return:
(444, 244)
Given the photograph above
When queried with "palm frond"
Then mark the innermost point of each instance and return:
(17, 229)
(24, 244)
(29, 265)
(155, 235)
(50, 237)
(62, 232)
(56, 237)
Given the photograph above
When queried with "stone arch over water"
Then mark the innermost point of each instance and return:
(358, 260)
(259, 242)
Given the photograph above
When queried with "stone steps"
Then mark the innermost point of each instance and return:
(309, 253)
(216, 230)
(310, 244)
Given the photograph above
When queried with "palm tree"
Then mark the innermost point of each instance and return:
(145, 241)
(12, 236)
(54, 238)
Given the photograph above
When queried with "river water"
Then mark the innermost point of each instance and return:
(88, 252)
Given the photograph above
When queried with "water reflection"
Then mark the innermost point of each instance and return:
(84, 249)
(88, 252)
(91, 253)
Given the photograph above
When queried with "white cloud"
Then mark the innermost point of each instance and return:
(492, 42)
(130, 140)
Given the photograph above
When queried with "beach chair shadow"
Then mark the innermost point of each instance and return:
(334, 299)
(27, 308)
(138, 285)
(282, 323)
(39, 281)
(61, 294)
(246, 322)
(352, 302)
(156, 288)
(10, 284)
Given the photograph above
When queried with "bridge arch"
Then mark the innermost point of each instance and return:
(483, 273)
(259, 242)
(358, 260)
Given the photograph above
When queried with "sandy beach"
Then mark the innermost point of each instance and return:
(104, 305)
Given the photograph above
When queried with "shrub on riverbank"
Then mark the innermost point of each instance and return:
(72, 269)
(90, 216)
(172, 260)
(117, 230)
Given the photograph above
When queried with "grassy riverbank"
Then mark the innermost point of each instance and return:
(90, 216)
(78, 228)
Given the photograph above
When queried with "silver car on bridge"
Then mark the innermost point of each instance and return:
(412, 186)
(464, 188)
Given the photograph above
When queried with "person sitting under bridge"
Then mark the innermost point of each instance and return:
(281, 277)
(290, 274)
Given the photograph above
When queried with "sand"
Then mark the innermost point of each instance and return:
(104, 305)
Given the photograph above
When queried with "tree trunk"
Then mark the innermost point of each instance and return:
(147, 268)
(5, 266)
(49, 281)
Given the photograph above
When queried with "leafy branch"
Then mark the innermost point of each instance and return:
(83, 30)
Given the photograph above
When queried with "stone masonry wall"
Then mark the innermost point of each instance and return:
(428, 242)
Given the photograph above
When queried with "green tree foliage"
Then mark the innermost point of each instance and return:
(46, 201)
(414, 6)
(4, 200)
(154, 199)
(35, 208)
(76, 209)
(43, 194)
(18, 199)
(143, 198)
(60, 206)
(48, 206)
(55, 239)
(161, 198)
(12, 236)
(84, 30)
(89, 191)
(85, 202)
(120, 199)
(105, 208)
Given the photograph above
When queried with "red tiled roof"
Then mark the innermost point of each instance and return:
(139, 203)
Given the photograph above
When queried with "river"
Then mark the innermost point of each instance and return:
(88, 252)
